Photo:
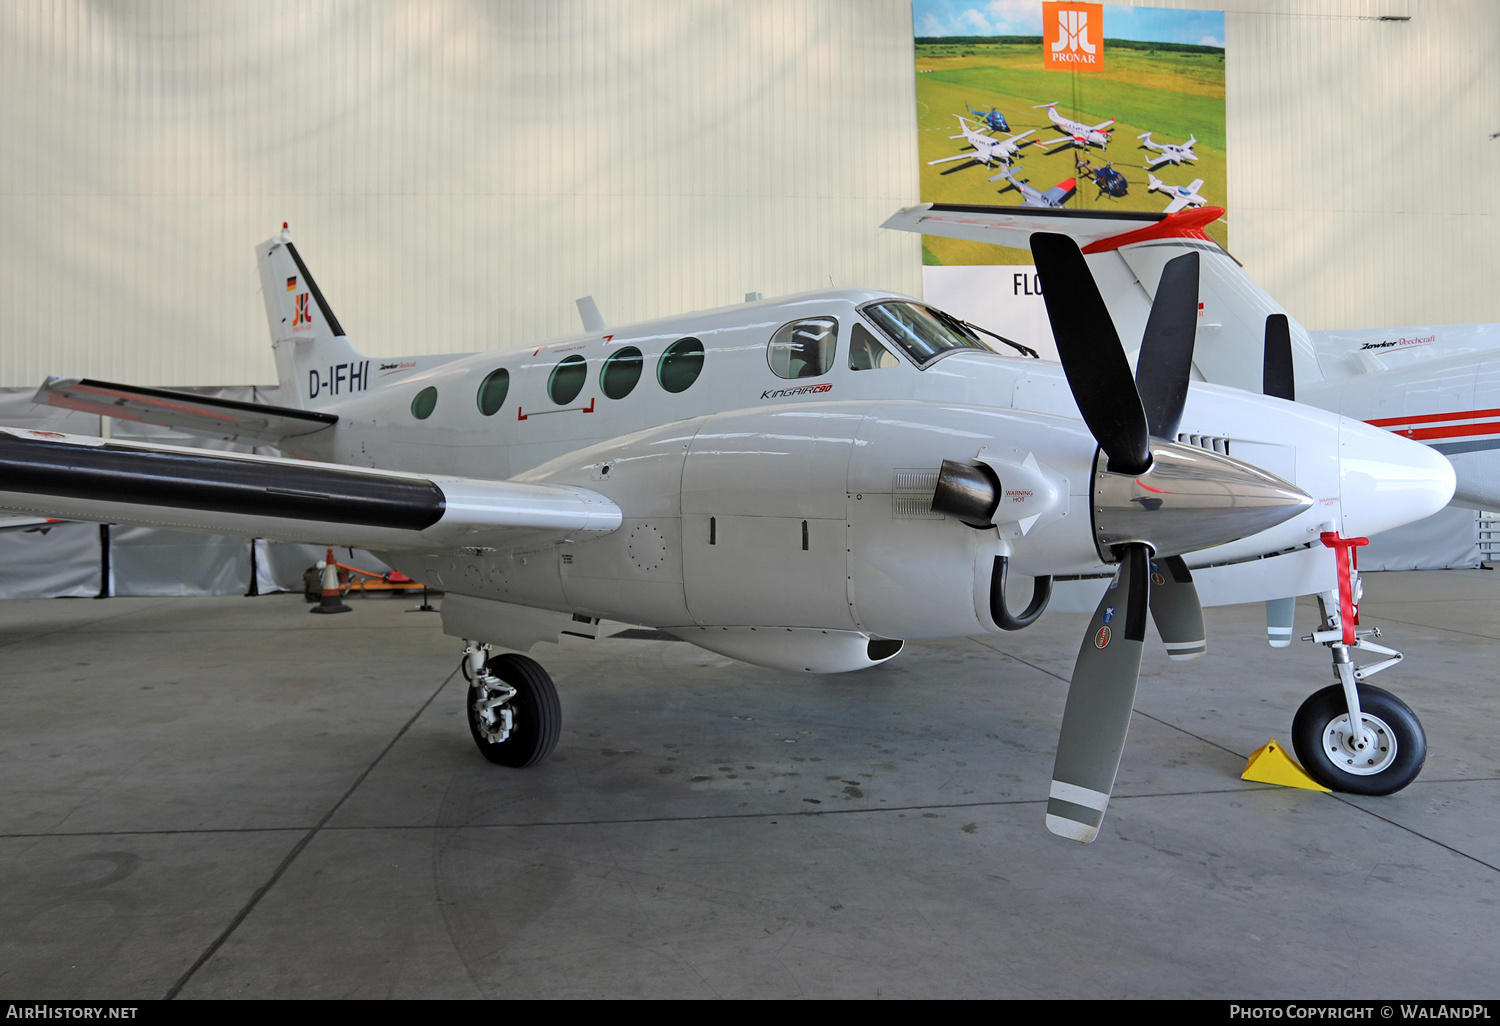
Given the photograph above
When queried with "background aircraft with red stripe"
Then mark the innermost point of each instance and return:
(1450, 401)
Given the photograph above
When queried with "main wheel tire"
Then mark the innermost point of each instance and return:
(1391, 754)
(538, 714)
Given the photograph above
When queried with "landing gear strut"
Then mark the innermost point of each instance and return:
(1386, 751)
(513, 711)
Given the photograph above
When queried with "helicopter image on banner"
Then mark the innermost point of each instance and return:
(994, 120)
(1109, 181)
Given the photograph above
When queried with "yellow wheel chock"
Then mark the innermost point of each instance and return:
(1270, 764)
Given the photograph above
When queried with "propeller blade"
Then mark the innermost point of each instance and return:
(1176, 609)
(1277, 379)
(1092, 359)
(1279, 613)
(1100, 699)
(1166, 359)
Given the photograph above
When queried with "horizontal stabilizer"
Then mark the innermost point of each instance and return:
(46, 473)
(224, 418)
(1093, 230)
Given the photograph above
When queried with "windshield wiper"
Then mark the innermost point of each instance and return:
(1023, 350)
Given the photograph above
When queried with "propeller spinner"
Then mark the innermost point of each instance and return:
(1153, 499)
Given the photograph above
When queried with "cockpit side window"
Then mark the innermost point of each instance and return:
(803, 349)
(924, 332)
(866, 353)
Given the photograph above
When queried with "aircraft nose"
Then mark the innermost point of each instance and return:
(1386, 480)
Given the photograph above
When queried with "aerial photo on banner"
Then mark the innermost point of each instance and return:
(1069, 105)
(1072, 105)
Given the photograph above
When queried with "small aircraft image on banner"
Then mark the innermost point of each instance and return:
(1179, 195)
(1168, 152)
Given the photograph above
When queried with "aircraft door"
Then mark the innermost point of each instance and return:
(763, 518)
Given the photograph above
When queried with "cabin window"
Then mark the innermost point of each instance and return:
(866, 353)
(923, 331)
(618, 376)
(803, 349)
(680, 365)
(492, 392)
(424, 403)
(567, 379)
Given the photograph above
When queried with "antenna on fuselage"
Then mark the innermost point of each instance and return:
(588, 310)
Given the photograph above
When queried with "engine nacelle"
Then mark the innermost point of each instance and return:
(819, 518)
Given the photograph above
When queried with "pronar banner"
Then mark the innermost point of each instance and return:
(1074, 105)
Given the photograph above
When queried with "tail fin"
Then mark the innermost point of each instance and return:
(315, 362)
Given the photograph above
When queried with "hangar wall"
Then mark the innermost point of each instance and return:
(457, 172)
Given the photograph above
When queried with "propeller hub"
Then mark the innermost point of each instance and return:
(1188, 499)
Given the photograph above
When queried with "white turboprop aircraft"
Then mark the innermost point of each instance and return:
(1076, 132)
(1181, 195)
(987, 151)
(1169, 151)
(1442, 386)
(802, 483)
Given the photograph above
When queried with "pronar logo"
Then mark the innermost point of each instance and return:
(1073, 36)
(302, 314)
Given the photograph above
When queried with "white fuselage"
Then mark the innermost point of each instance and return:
(753, 500)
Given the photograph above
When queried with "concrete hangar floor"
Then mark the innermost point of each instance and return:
(230, 798)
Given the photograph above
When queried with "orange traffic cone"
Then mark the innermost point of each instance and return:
(332, 600)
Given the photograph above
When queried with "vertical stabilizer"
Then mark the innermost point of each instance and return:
(315, 362)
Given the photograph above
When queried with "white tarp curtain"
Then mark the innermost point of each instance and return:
(50, 561)
(1447, 540)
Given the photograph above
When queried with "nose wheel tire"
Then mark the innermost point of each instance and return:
(1381, 758)
(521, 730)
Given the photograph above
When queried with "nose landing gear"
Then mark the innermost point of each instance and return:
(1386, 751)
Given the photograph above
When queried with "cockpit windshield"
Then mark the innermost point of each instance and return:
(923, 331)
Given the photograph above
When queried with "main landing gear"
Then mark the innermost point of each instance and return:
(514, 714)
(1386, 751)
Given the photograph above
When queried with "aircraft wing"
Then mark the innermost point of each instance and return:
(225, 418)
(944, 160)
(50, 474)
(1177, 204)
(1060, 193)
(1158, 160)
